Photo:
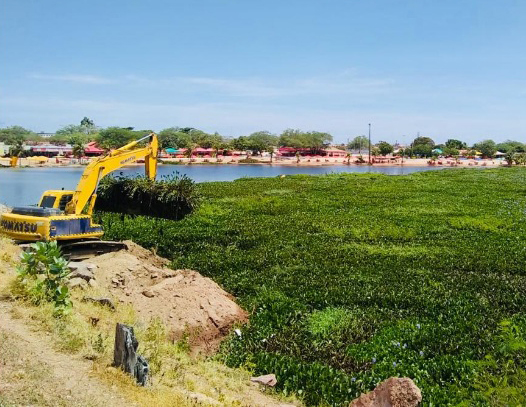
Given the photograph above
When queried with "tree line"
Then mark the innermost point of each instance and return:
(425, 147)
(189, 138)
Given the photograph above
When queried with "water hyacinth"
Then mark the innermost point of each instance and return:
(170, 197)
(431, 261)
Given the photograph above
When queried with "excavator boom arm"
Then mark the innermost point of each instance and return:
(102, 166)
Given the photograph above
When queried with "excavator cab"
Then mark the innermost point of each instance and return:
(56, 199)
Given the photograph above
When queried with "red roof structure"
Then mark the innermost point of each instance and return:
(93, 149)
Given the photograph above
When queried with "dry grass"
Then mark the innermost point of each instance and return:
(27, 381)
(89, 331)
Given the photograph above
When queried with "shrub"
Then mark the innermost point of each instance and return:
(42, 275)
(248, 161)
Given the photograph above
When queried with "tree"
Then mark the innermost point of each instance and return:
(456, 144)
(262, 141)
(519, 158)
(318, 140)
(313, 140)
(358, 143)
(510, 155)
(173, 137)
(60, 138)
(190, 149)
(385, 148)
(70, 129)
(420, 140)
(422, 150)
(510, 145)
(17, 146)
(270, 150)
(87, 122)
(488, 148)
(78, 150)
(86, 126)
(450, 151)
(115, 137)
(9, 135)
(241, 143)
(292, 138)
(78, 138)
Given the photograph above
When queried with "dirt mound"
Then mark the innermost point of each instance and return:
(393, 392)
(188, 303)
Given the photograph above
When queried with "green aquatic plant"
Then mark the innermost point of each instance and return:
(171, 197)
(353, 278)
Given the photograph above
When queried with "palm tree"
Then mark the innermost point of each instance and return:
(509, 157)
(270, 150)
(78, 150)
(190, 149)
(16, 150)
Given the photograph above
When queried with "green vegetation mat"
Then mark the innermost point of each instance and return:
(353, 278)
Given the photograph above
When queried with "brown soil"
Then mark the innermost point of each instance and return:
(189, 304)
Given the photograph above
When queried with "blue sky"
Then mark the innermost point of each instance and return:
(448, 68)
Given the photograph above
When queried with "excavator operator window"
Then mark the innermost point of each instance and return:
(64, 200)
(48, 201)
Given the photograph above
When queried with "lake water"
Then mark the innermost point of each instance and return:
(24, 186)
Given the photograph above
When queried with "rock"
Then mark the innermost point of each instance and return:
(265, 380)
(91, 266)
(101, 301)
(393, 392)
(148, 293)
(167, 273)
(82, 270)
(77, 282)
(125, 354)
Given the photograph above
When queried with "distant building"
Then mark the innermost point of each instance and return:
(4, 148)
(51, 150)
(325, 152)
(92, 149)
(45, 135)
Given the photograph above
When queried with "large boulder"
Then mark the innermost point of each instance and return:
(393, 392)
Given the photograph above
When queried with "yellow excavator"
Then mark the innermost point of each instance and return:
(66, 216)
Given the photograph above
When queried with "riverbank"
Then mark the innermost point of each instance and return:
(277, 161)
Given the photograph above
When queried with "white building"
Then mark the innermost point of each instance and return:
(4, 148)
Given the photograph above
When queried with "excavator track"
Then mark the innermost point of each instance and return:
(89, 248)
(82, 250)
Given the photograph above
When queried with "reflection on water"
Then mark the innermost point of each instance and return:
(24, 186)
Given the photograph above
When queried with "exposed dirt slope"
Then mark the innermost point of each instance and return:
(186, 302)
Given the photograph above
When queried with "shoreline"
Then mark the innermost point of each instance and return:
(277, 162)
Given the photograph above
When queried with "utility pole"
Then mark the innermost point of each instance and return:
(369, 143)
